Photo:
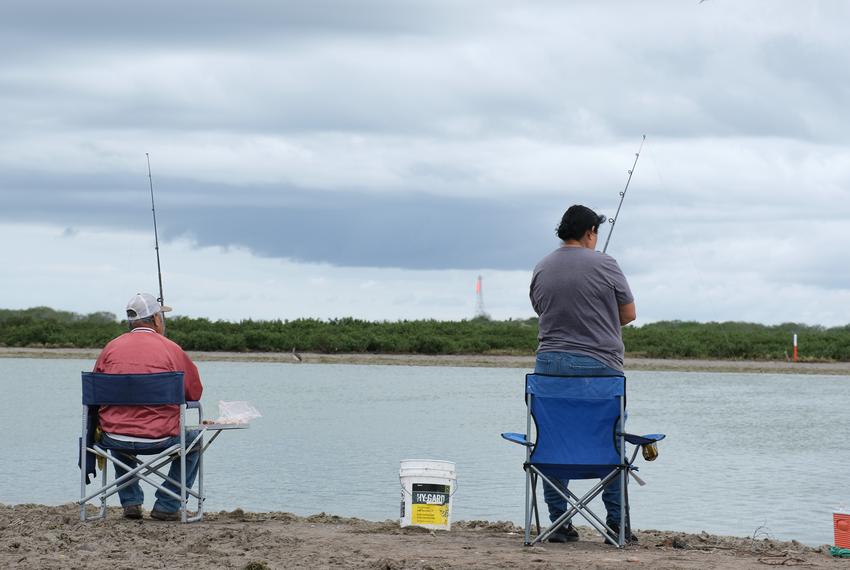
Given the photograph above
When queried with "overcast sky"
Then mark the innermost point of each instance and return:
(371, 158)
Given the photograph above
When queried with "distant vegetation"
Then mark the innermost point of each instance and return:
(45, 327)
(736, 341)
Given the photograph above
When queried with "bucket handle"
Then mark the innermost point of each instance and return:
(452, 494)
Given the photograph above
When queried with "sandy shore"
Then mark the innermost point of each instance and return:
(482, 360)
(37, 536)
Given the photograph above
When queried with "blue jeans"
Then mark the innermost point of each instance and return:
(132, 494)
(569, 363)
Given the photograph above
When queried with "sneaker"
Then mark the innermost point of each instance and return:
(133, 512)
(165, 515)
(564, 534)
(630, 538)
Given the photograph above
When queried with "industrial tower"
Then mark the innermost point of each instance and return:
(480, 313)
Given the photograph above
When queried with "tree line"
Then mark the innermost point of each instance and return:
(49, 328)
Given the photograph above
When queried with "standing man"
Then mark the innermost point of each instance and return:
(145, 428)
(582, 299)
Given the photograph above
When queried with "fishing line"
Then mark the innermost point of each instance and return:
(680, 237)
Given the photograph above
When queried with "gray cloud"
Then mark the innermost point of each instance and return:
(424, 68)
(410, 230)
(441, 135)
(199, 22)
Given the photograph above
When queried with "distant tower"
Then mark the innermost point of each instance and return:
(480, 313)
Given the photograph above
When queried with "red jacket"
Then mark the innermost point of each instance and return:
(140, 351)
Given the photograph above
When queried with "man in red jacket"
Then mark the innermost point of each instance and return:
(136, 429)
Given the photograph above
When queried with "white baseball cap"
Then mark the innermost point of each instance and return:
(144, 305)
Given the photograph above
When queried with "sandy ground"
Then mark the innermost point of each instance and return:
(37, 536)
(483, 360)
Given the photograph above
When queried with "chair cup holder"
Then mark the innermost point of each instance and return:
(649, 451)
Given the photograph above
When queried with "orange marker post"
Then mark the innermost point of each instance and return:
(795, 347)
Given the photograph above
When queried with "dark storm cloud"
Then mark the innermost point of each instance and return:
(210, 23)
(410, 231)
(413, 232)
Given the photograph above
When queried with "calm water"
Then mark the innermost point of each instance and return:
(743, 451)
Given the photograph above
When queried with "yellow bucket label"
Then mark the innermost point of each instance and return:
(430, 504)
(430, 514)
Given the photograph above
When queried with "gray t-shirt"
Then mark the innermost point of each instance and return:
(576, 292)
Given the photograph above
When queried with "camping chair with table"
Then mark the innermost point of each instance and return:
(579, 423)
(162, 388)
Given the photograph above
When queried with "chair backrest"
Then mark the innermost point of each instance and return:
(576, 418)
(133, 389)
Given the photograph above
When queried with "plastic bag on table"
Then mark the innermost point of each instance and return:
(236, 412)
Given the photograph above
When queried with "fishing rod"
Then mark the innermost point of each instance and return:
(613, 220)
(156, 239)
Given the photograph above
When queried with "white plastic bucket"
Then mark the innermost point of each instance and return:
(427, 487)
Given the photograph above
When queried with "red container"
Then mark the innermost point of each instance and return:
(841, 524)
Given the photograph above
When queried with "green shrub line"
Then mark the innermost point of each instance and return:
(48, 328)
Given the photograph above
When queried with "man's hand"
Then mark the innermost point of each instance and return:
(627, 314)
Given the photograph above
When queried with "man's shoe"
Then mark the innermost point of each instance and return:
(133, 512)
(165, 515)
(630, 538)
(564, 534)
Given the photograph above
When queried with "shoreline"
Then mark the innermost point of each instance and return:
(462, 360)
(39, 536)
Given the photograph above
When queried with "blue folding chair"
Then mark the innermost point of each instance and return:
(138, 390)
(579, 423)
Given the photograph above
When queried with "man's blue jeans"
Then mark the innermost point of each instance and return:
(568, 363)
(132, 494)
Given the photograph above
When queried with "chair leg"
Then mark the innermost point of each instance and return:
(628, 513)
(182, 458)
(200, 513)
(183, 500)
(200, 446)
(83, 487)
(103, 494)
(534, 503)
(100, 494)
(83, 457)
(623, 510)
(530, 481)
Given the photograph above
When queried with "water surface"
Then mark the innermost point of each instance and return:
(745, 452)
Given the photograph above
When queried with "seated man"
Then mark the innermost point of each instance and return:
(146, 428)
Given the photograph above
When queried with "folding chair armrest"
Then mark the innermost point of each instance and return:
(517, 438)
(643, 439)
(196, 405)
